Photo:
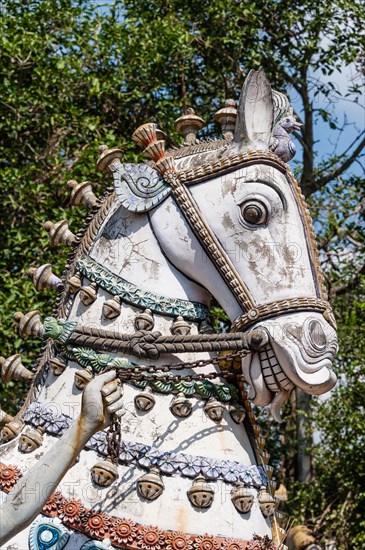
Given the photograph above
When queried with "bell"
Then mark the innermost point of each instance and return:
(112, 308)
(31, 440)
(57, 366)
(82, 193)
(181, 327)
(29, 324)
(269, 471)
(104, 473)
(59, 233)
(206, 328)
(145, 400)
(237, 412)
(88, 294)
(13, 369)
(267, 502)
(260, 442)
(43, 277)
(150, 486)
(242, 498)
(201, 494)
(214, 409)
(11, 430)
(74, 284)
(5, 418)
(181, 406)
(144, 320)
(83, 377)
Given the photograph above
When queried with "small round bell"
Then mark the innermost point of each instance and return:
(181, 406)
(11, 430)
(145, 400)
(144, 320)
(104, 473)
(201, 494)
(214, 409)
(57, 366)
(88, 294)
(237, 412)
(83, 377)
(150, 486)
(31, 440)
(267, 502)
(74, 284)
(180, 327)
(242, 498)
(112, 308)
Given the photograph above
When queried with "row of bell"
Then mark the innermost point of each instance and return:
(182, 407)
(201, 494)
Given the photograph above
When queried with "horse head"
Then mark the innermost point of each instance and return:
(229, 215)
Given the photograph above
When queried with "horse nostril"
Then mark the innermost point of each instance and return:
(316, 335)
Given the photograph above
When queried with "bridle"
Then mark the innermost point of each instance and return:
(252, 313)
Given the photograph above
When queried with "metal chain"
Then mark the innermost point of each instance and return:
(151, 369)
(113, 437)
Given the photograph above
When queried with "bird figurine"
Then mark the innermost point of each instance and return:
(281, 143)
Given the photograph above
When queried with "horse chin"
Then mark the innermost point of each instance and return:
(291, 358)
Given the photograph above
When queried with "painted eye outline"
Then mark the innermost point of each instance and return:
(261, 206)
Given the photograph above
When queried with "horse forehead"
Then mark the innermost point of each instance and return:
(232, 184)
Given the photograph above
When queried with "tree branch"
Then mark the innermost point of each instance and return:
(320, 182)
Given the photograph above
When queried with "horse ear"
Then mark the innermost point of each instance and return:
(255, 110)
(139, 187)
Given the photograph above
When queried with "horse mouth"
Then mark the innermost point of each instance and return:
(295, 357)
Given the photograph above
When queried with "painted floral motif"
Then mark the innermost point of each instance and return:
(9, 475)
(128, 535)
(53, 504)
(123, 531)
(97, 524)
(71, 511)
(150, 538)
(206, 542)
(178, 541)
(233, 544)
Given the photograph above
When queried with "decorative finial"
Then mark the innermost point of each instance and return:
(43, 277)
(108, 158)
(13, 369)
(5, 418)
(153, 140)
(189, 125)
(29, 324)
(82, 193)
(59, 233)
(227, 118)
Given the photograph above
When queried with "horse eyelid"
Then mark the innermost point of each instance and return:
(275, 188)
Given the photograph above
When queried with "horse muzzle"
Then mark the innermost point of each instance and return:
(294, 350)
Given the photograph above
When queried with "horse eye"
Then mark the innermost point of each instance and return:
(254, 212)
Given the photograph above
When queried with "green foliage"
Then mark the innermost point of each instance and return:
(76, 74)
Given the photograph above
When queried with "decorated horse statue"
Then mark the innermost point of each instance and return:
(182, 464)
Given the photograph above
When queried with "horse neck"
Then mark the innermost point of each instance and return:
(128, 247)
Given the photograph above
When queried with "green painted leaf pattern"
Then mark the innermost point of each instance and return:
(223, 392)
(140, 383)
(185, 386)
(162, 386)
(121, 363)
(101, 362)
(83, 356)
(205, 389)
